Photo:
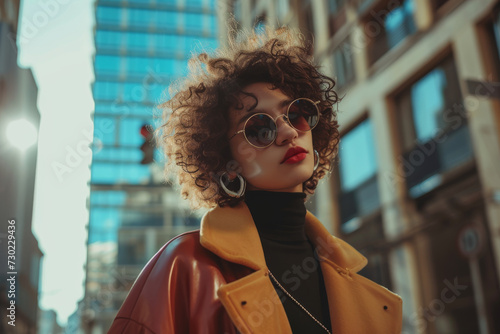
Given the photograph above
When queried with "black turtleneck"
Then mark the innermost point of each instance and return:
(280, 221)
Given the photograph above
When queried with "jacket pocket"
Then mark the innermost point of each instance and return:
(253, 304)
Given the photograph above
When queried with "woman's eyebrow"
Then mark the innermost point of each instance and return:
(254, 111)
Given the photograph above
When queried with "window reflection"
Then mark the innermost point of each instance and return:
(357, 156)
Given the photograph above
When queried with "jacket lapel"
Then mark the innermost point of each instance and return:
(231, 234)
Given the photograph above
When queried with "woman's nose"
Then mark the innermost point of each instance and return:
(286, 132)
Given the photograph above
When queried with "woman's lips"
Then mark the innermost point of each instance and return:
(295, 158)
(294, 154)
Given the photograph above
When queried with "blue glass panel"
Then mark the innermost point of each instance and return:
(130, 131)
(134, 92)
(166, 42)
(496, 31)
(104, 130)
(104, 223)
(399, 23)
(107, 64)
(106, 90)
(193, 22)
(108, 39)
(212, 24)
(115, 173)
(155, 94)
(109, 15)
(181, 68)
(357, 156)
(165, 20)
(111, 197)
(139, 18)
(165, 66)
(123, 109)
(137, 41)
(427, 103)
(140, 66)
(118, 155)
(194, 3)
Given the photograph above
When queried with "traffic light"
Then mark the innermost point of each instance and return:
(148, 146)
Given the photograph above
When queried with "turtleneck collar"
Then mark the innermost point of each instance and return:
(278, 216)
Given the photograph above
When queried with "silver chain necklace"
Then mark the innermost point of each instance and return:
(296, 302)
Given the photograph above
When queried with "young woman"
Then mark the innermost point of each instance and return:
(249, 133)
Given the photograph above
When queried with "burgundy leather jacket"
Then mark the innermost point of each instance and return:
(214, 281)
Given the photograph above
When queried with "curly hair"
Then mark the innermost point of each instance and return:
(195, 121)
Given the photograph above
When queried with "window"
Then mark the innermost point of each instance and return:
(111, 16)
(108, 39)
(130, 131)
(260, 24)
(165, 20)
(389, 29)
(122, 109)
(283, 8)
(139, 18)
(357, 156)
(132, 247)
(308, 21)
(344, 64)
(495, 29)
(358, 193)
(399, 23)
(106, 91)
(108, 173)
(137, 41)
(337, 15)
(103, 224)
(117, 154)
(432, 124)
(108, 65)
(109, 198)
(334, 6)
(139, 66)
(193, 22)
(104, 130)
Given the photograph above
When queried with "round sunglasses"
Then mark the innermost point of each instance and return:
(261, 130)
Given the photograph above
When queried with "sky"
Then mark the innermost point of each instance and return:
(55, 40)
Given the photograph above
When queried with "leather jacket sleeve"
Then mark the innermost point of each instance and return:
(176, 292)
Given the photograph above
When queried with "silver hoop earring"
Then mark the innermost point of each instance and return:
(316, 155)
(235, 194)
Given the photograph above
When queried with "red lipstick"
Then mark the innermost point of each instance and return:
(294, 154)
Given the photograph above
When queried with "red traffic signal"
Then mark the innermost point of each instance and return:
(148, 146)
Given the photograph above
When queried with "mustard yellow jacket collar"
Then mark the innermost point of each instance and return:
(231, 234)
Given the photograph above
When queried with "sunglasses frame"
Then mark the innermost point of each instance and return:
(286, 118)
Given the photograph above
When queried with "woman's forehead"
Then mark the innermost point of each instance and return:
(259, 94)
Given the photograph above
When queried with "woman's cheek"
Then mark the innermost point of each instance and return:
(246, 153)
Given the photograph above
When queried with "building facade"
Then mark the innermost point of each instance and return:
(416, 186)
(141, 46)
(21, 255)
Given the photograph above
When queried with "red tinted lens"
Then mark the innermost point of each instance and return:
(303, 114)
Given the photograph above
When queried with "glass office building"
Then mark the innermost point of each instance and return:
(141, 46)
